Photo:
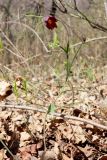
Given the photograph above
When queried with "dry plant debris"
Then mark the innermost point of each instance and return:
(5, 89)
(31, 134)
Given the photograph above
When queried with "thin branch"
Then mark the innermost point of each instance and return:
(91, 23)
(15, 158)
(31, 29)
(89, 40)
(32, 107)
(76, 54)
(64, 10)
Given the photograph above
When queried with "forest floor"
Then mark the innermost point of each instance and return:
(56, 120)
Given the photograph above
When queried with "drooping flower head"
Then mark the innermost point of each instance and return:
(50, 22)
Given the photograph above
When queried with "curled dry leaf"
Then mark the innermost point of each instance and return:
(5, 90)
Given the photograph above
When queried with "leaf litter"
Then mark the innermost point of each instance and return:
(34, 135)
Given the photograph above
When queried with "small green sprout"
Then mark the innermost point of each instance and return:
(15, 90)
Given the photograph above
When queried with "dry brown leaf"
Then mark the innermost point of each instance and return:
(78, 134)
(25, 155)
(65, 157)
(33, 158)
(24, 136)
(1, 154)
(5, 114)
(5, 90)
(30, 149)
(87, 150)
(19, 117)
(48, 155)
(56, 149)
(104, 157)
(94, 138)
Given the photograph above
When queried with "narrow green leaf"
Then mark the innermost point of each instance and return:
(51, 109)
(15, 89)
(1, 44)
(67, 48)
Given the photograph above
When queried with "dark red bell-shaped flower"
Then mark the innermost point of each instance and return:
(50, 22)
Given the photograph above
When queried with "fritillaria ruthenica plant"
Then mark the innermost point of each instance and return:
(50, 11)
(50, 22)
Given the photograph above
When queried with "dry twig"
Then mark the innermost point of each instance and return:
(33, 108)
